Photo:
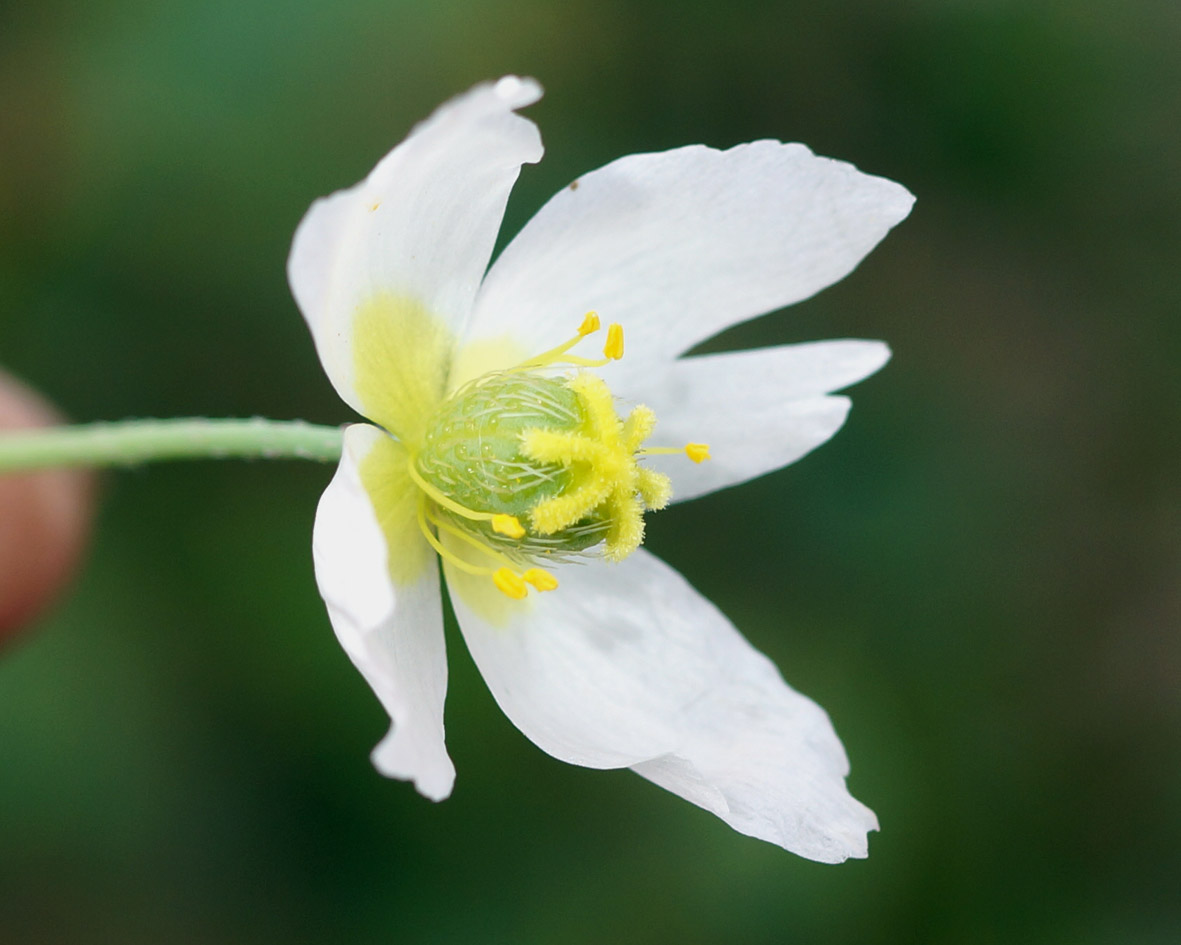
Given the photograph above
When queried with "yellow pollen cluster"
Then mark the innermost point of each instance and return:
(613, 349)
(605, 489)
(508, 525)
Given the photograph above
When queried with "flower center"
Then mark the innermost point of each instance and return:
(521, 466)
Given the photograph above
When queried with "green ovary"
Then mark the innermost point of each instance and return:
(472, 453)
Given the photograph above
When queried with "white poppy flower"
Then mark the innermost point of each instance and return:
(490, 451)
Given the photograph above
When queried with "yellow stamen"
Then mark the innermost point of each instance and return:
(505, 578)
(590, 324)
(510, 583)
(542, 580)
(698, 452)
(442, 552)
(452, 529)
(613, 349)
(445, 501)
(508, 525)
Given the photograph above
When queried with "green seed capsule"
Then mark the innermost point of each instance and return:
(472, 453)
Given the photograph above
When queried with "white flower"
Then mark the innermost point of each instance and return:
(623, 664)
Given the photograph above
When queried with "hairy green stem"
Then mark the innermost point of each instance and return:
(130, 442)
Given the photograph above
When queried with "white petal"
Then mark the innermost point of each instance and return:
(628, 665)
(679, 245)
(393, 632)
(420, 228)
(758, 410)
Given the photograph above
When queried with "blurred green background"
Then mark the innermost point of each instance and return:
(978, 577)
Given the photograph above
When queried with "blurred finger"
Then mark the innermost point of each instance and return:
(44, 519)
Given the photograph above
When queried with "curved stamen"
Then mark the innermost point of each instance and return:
(698, 452)
(470, 539)
(612, 350)
(442, 552)
(504, 577)
(503, 523)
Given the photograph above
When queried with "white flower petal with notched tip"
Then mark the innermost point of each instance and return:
(679, 245)
(758, 410)
(629, 666)
(393, 634)
(421, 227)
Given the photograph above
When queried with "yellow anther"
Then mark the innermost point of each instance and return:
(590, 324)
(508, 525)
(510, 583)
(542, 580)
(613, 349)
(698, 452)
